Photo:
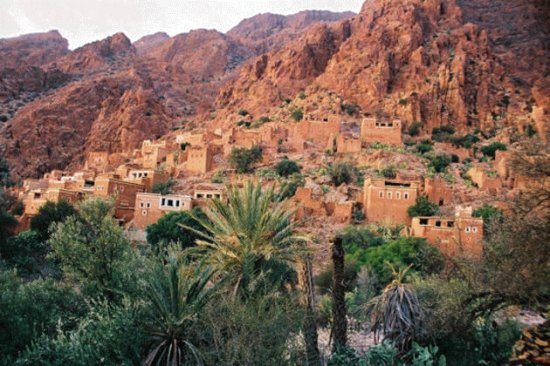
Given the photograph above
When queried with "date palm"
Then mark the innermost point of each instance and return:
(250, 240)
(178, 295)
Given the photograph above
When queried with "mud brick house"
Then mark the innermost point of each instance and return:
(38, 197)
(486, 181)
(150, 207)
(147, 177)
(387, 201)
(206, 191)
(385, 132)
(124, 193)
(320, 133)
(462, 234)
(438, 191)
(97, 161)
(313, 206)
(153, 154)
(200, 159)
(347, 144)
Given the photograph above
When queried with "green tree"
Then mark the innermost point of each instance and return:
(169, 229)
(28, 310)
(287, 167)
(243, 159)
(440, 162)
(8, 222)
(490, 150)
(5, 180)
(250, 239)
(178, 298)
(164, 187)
(297, 114)
(49, 213)
(341, 172)
(92, 250)
(491, 215)
(397, 313)
(26, 251)
(422, 207)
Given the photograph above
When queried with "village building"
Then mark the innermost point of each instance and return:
(462, 234)
(485, 180)
(387, 200)
(97, 161)
(147, 177)
(153, 154)
(348, 144)
(37, 198)
(308, 205)
(438, 191)
(384, 132)
(124, 193)
(320, 133)
(200, 159)
(204, 192)
(150, 207)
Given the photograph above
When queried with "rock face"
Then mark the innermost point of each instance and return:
(436, 61)
(467, 63)
(111, 94)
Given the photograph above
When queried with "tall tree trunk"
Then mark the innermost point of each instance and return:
(339, 321)
(309, 326)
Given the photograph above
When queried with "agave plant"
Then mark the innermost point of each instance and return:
(250, 240)
(396, 313)
(178, 296)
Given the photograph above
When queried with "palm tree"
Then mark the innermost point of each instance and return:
(397, 313)
(340, 323)
(178, 297)
(250, 240)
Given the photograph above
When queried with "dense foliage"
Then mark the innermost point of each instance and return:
(243, 159)
(422, 207)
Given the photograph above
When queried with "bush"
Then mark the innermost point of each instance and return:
(341, 172)
(26, 252)
(297, 114)
(466, 141)
(324, 279)
(401, 253)
(168, 229)
(490, 214)
(424, 148)
(164, 187)
(302, 95)
(287, 167)
(414, 128)
(242, 159)
(403, 101)
(3, 118)
(388, 172)
(440, 163)
(289, 186)
(243, 112)
(349, 108)
(490, 150)
(51, 213)
(422, 207)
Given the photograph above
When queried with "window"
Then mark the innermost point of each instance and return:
(450, 223)
(405, 196)
(170, 203)
(397, 195)
(218, 196)
(389, 195)
(424, 222)
(438, 223)
(441, 202)
(163, 202)
(144, 212)
(148, 204)
(474, 229)
(208, 195)
(141, 205)
(177, 203)
(200, 195)
(467, 229)
(381, 194)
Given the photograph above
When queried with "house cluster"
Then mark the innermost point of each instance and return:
(131, 178)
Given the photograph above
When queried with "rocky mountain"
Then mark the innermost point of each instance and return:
(463, 63)
(56, 104)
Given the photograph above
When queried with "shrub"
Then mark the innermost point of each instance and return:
(242, 159)
(168, 229)
(243, 112)
(424, 147)
(490, 150)
(51, 213)
(414, 128)
(287, 167)
(466, 141)
(422, 207)
(3, 118)
(164, 187)
(297, 114)
(341, 172)
(349, 108)
(490, 214)
(530, 130)
(302, 95)
(388, 172)
(289, 186)
(403, 101)
(440, 163)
